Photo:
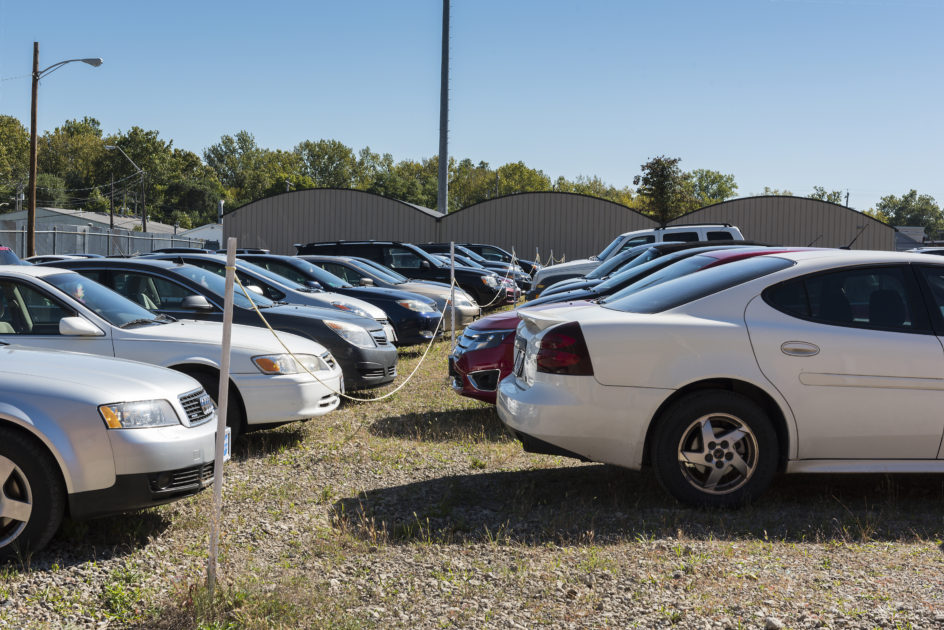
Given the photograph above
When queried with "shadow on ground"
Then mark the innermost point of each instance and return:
(78, 542)
(267, 441)
(479, 424)
(598, 503)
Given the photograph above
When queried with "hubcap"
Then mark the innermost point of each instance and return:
(16, 501)
(717, 453)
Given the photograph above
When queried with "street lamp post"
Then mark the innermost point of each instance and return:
(37, 75)
(112, 147)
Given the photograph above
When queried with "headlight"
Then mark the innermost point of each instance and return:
(416, 305)
(352, 333)
(139, 415)
(490, 281)
(285, 364)
(351, 308)
(475, 340)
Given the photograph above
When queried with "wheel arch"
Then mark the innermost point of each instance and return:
(42, 441)
(748, 390)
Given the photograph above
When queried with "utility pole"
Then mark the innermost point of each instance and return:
(111, 210)
(847, 198)
(31, 207)
(143, 205)
(442, 201)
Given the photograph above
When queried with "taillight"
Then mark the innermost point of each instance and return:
(562, 350)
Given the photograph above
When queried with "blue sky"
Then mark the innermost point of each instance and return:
(845, 94)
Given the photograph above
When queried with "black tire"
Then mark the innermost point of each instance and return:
(234, 412)
(32, 495)
(715, 472)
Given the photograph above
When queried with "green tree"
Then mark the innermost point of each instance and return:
(515, 177)
(96, 201)
(911, 209)
(328, 163)
(775, 192)
(471, 183)
(14, 155)
(832, 196)
(50, 191)
(709, 187)
(662, 186)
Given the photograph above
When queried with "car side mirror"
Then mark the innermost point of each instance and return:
(424, 264)
(79, 327)
(256, 289)
(314, 284)
(196, 303)
(367, 282)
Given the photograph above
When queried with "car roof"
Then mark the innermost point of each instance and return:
(157, 263)
(36, 271)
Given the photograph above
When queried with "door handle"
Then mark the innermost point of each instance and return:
(799, 349)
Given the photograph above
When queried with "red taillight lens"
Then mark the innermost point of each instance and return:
(564, 351)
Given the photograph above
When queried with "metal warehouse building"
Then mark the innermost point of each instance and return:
(566, 224)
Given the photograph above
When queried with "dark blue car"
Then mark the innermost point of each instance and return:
(413, 316)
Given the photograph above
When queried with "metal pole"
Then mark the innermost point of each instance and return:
(223, 398)
(31, 207)
(111, 210)
(452, 288)
(442, 201)
(143, 204)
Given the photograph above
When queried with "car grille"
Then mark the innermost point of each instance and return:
(380, 337)
(327, 401)
(181, 480)
(199, 407)
(379, 372)
(329, 360)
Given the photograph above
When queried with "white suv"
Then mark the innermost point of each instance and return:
(683, 233)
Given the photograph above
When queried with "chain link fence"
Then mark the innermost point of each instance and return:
(72, 239)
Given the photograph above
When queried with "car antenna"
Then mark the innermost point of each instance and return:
(861, 230)
(814, 240)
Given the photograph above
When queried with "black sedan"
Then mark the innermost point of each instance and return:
(414, 317)
(360, 345)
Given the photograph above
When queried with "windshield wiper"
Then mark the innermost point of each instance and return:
(139, 322)
(166, 318)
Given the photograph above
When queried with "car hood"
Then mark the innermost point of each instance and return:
(321, 312)
(381, 293)
(97, 379)
(250, 339)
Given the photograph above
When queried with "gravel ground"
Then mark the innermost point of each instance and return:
(420, 512)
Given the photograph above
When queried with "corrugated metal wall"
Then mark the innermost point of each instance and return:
(277, 223)
(798, 221)
(571, 225)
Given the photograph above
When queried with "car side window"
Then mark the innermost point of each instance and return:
(282, 269)
(684, 237)
(878, 298)
(151, 292)
(28, 311)
(345, 273)
(720, 236)
(401, 258)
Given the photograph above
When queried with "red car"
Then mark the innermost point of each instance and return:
(484, 353)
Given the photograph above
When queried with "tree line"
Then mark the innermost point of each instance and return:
(76, 170)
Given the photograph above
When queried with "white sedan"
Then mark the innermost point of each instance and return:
(56, 309)
(808, 362)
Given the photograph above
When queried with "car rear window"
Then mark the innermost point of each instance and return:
(695, 286)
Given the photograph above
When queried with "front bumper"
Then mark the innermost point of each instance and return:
(418, 328)
(476, 373)
(152, 466)
(364, 368)
(283, 398)
(579, 415)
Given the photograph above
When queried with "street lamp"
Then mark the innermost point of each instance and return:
(37, 75)
(112, 147)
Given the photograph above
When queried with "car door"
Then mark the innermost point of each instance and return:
(30, 315)
(931, 278)
(853, 353)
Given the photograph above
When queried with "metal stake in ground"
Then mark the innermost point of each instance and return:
(452, 288)
(223, 399)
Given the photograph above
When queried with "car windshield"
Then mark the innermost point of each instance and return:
(115, 309)
(216, 285)
(385, 273)
(468, 253)
(270, 275)
(609, 248)
(625, 260)
(691, 287)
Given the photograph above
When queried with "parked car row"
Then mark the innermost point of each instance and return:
(727, 366)
(112, 368)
